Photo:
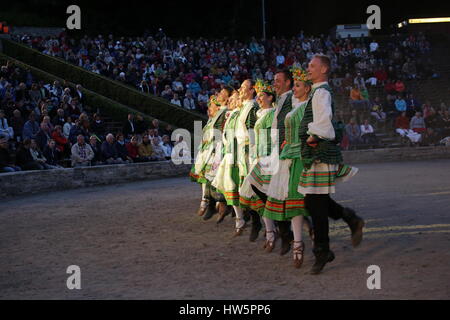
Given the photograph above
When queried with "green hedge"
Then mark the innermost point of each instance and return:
(113, 109)
(145, 103)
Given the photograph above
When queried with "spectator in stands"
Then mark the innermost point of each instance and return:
(141, 125)
(75, 131)
(145, 149)
(446, 122)
(353, 132)
(60, 118)
(96, 148)
(109, 151)
(31, 127)
(367, 134)
(377, 110)
(426, 109)
(417, 123)
(17, 124)
(158, 151)
(430, 138)
(6, 161)
(167, 93)
(133, 151)
(67, 127)
(5, 129)
(98, 126)
(157, 131)
(400, 104)
(412, 105)
(189, 102)
(42, 136)
(73, 108)
(129, 127)
(122, 149)
(356, 99)
(46, 120)
(168, 130)
(167, 147)
(194, 87)
(389, 87)
(24, 158)
(38, 156)
(82, 153)
(176, 100)
(61, 142)
(79, 94)
(52, 154)
(399, 86)
(402, 128)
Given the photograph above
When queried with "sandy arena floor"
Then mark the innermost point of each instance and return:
(144, 241)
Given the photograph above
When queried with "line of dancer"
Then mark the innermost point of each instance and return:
(277, 158)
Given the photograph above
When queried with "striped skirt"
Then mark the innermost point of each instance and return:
(321, 178)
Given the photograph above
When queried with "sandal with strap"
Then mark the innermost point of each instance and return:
(298, 253)
(270, 245)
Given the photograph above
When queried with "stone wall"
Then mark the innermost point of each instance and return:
(29, 182)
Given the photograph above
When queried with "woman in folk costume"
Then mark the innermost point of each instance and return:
(258, 176)
(214, 161)
(322, 162)
(202, 166)
(236, 150)
(284, 202)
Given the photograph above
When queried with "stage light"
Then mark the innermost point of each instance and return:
(429, 20)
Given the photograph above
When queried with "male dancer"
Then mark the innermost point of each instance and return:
(322, 161)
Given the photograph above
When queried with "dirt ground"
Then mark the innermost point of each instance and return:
(144, 241)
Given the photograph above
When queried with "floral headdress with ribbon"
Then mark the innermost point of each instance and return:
(299, 74)
(263, 86)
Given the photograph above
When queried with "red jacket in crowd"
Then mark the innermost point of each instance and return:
(132, 150)
(402, 122)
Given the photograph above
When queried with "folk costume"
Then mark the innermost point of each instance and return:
(236, 156)
(202, 170)
(256, 188)
(322, 168)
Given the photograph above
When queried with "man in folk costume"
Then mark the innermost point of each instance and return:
(201, 170)
(322, 162)
(236, 159)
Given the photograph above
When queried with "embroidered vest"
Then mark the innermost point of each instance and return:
(325, 151)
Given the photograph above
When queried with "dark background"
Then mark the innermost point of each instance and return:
(238, 19)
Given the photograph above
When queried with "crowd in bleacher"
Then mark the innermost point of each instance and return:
(44, 125)
(49, 126)
(187, 71)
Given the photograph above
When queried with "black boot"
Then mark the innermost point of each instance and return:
(256, 226)
(286, 240)
(211, 210)
(356, 225)
(323, 256)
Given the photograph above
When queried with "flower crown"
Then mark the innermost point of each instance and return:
(262, 86)
(213, 99)
(298, 74)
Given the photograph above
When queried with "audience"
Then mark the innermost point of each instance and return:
(82, 153)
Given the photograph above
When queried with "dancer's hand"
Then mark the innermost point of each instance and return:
(283, 144)
(311, 141)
